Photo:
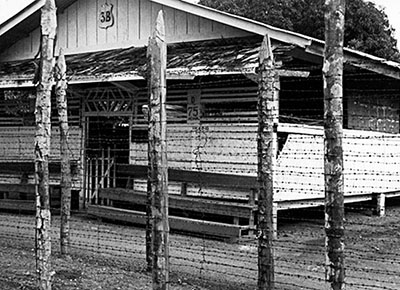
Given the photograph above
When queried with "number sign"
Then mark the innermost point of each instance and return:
(194, 106)
(106, 16)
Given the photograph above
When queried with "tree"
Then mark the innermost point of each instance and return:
(367, 28)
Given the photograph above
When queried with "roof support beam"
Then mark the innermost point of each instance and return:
(281, 73)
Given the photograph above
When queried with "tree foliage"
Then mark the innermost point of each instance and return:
(367, 28)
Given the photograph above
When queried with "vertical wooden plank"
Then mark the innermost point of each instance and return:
(72, 33)
(42, 146)
(18, 48)
(184, 189)
(252, 202)
(91, 23)
(27, 48)
(90, 182)
(169, 23)
(122, 19)
(181, 26)
(96, 180)
(133, 20)
(101, 33)
(62, 30)
(82, 23)
(266, 136)
(145, 21)
(36, 40)
(381, 200)
(205, 26)
(109, 162)
(218, 28)
(193, 22)
(158, 168)
(112, 31)
(333, 156)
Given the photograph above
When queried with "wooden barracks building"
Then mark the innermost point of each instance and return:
(211, 99)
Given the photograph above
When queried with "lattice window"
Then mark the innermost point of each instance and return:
(110, 101)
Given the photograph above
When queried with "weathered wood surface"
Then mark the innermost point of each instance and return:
(134, 20)
(61, 92)
(42, 145)
(158, 163)
(28, 167)
(194, 204)
(204, 228)
(22, 197)
(190, 176)
(18, 205)
(16, 144)
(333, 142)
(266, 152)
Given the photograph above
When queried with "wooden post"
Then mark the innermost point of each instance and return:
(379, 201)
(109, 161)
(42, 145)
(149, 216)
(333, 154)
(158, 173)
(96, 178)
(61, 89)
(252, 202)
(266, 139)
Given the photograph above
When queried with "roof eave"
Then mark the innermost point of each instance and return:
(361, 60)
(239, 22)
(21, 16)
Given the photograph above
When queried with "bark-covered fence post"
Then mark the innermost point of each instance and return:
(158, 173)
(266, 150)
(149, 217)
(61, 90)
(333, 151)
(42, 145)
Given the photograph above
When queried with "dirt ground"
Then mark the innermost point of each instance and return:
(110, 256)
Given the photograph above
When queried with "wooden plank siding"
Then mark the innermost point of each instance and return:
(180, 224)
(16, 143)
(78, 29)
(16, 147)
(370, 165)
(371, 160)
(225, 143)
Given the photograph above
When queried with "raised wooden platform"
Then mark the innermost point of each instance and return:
(227, 232)
(202, 205)
(201, 216)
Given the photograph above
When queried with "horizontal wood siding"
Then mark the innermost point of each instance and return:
(16, 143)
(78, 28)
(377, 113)
(370, 159)
(370, 165)
(16, 146)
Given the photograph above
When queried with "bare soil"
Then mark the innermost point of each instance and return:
(112, 256)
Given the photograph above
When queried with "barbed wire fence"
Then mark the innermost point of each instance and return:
(223, 147)
(212, 157)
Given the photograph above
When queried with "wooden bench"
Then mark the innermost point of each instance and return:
(21, 197)
(180, 205)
